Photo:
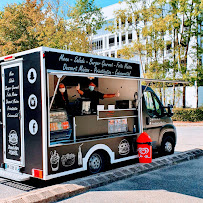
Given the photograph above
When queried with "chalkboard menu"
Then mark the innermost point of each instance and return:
(12, 109)
(91, 65)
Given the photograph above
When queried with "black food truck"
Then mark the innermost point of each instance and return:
(41, 139)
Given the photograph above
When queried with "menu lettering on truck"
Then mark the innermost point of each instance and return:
(12, 109)
(90, 65)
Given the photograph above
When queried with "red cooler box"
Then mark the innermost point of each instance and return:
(144, 147)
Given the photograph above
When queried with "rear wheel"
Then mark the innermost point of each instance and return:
(167, 146)
(96, 163)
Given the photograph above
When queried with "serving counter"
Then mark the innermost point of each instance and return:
(106, 122)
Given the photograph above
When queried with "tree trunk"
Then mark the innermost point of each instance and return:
(184, 92)
(160, 95)
(174, 64)
(174, 94)
(197, 97)
(164, 92)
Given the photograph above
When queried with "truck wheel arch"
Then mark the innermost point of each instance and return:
(168, 130)
(98, 147)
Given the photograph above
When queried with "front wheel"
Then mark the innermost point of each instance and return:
(167, 146)
(96, 163)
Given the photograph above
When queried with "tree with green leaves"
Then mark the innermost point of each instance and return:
(19, 25)
(177, 19)
(184, 22)
(134, 16)
(87, 16)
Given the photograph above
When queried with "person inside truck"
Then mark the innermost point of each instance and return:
(61, 98)
(94, 96)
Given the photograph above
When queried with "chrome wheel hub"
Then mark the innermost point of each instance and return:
(168, 147)
(95, 162)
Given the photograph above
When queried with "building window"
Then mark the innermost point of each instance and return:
(97, 44)
(129, 21)
(111, 42)
(113, 54)
(168, 47)
(117, 23)
(123, 39)
(138, 35)
(122, 23)
(94, 44)
(130, 37)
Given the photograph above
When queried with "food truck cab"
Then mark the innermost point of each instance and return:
(39, 139)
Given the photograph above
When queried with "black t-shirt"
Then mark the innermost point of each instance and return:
(61, 101)
(94, 97)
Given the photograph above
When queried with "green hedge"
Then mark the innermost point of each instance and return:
(188, 114)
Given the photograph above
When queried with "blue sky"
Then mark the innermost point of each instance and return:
(100, 3)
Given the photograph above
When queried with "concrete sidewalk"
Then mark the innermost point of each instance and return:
(78, 186)
(186, 123)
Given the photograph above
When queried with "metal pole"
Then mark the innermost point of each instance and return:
(52, 100)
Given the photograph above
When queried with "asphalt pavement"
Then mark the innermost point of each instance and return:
(179, 183)
(189, 137)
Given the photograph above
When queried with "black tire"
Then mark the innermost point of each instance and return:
(167, 146)
(96, 163)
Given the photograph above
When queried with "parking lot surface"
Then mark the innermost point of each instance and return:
(180, 183)
(189, 137)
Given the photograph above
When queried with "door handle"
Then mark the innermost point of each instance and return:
(147, 120)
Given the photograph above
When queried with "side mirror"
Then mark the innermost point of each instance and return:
(170, 110)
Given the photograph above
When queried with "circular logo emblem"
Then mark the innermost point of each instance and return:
(32, 75)
(33, 127)
(124, 147)
(32, 101)
(13, 137)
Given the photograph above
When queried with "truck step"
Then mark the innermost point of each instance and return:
(14, 176)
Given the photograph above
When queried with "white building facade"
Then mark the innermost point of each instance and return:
(106, 43)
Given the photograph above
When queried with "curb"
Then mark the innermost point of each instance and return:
(78, 186)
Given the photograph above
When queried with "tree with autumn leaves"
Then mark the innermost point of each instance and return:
(19, 25)
(44, 23)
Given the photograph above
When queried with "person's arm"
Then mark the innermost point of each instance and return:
(111, 95)
(79, 90)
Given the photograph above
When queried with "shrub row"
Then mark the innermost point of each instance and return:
(188, 114)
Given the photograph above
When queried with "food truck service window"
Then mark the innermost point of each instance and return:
(84, 108)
